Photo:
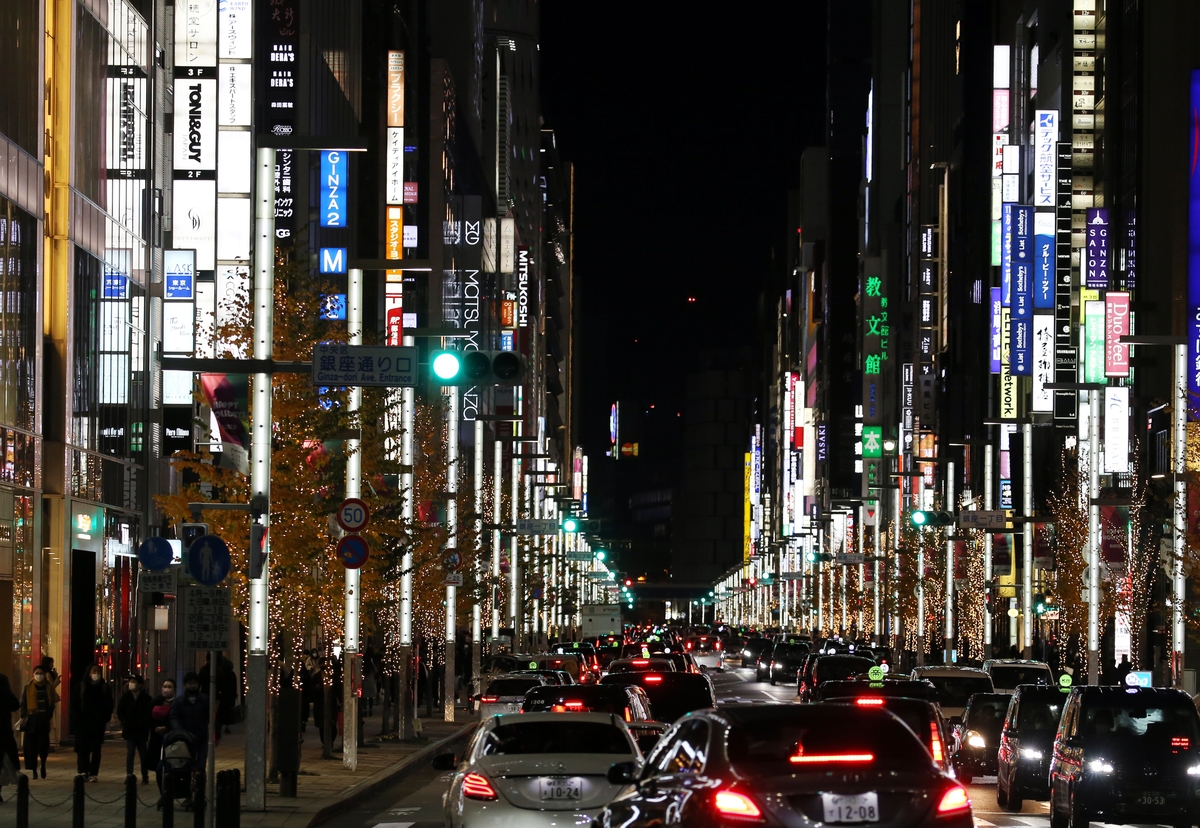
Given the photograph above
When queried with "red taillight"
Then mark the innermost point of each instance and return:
(689, 645)
(653, 679)
(841, 758)
(641, 661)
(869, 702)
(489, 699)
(476, 786)
(732, 803)
(718, 645)
(953, 801)
(1181, 742)
(935, 742)
(574, 705)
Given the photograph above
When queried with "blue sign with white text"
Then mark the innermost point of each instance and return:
(178, 286)
(333, 260)
(1043, 272)
(1006, 259)
(1021, 348)
(333, 306)
(335, 169)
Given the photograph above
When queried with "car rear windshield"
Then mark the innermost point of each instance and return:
(704, 646)
(1008, 676)
(987, 713)
(837, 668)
(790, 651)
(642, 665)
(776, 740)
(1157, 722)
(754, 646)
(669, 701)
(956, 691)
(914, 714)
(540, 701)
(511, 687)
(1039, 715)
(563, 736)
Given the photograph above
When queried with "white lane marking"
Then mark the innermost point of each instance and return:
(983, 823)
(395, 824)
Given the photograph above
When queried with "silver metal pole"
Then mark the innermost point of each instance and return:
(920, 577)
(352, 596)
(451, 547)
(260, 479)
(408, 409)
(878, 605)
(477, 604)
(948, 644)
(1179, 582)
(988, 503)
(497, 488)
(1093, 538)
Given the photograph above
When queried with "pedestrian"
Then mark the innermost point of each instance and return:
(10, 763)
(160, 726)
(226, 687)
(189, 713)
(37, 711)
(1123, 669)
(135, 712)
(92, 714)
(370, 686)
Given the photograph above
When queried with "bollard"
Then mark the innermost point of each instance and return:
(198, 799)
(168, 799)
(77, 802)
(22, 801)
(131, 802)
(235, 799)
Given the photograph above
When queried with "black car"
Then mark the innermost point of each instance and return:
(977, 737)
(908, 688)
(1026, 743)
(762, 664)
(922, 716)
(783, 765)
(822, 668)
(672, 695)
(1126, 755)
(751, 648)
(786, 661)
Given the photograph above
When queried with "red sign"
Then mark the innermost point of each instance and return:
(353, 515)
(410, 192)
(508, 314)
(1116, 325)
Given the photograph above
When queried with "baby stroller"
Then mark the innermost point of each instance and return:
(178, 765)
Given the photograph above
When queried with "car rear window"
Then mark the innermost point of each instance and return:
(1158, 721)
(511, 687)
(1039, 715)
(775, 740)
(1008, 676)
(956, 691)
(563, 736)
(704, 646)
(668, 703)
(790, 651)
(837, 668)
(542, 700)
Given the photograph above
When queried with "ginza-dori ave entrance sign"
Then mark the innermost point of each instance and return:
(337, 365)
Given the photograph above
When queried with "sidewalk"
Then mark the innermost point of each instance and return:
(323, 784)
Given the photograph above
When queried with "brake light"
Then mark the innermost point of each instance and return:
(718, 645)
(841, 758)
(689, 645)
(653, 679)
(869, 701)
(935, 742)
(1181, 742)
(641, 661)
(476, 786)
(732, 803)
(704, 638)
(489, 699)
(574, 705)
(954, 800)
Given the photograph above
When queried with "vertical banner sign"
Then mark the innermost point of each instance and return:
(876, 333)
(1116, 429)
(1022, 261)
(1022, 347)
(228, 395)
(278, 35)
(1008, 384)
(334, 178)
(1093, 341)
(1044, 164)
(1043, 362)
(395, 89)
(1066, 359)
(1096, 252)
(997, 337)
(746, 464)
(1006, 253)
(1116, 325)
(393, 246)
(1193, 335)
(1043, 261)
(522, 286)
(393, 174)
(195, 132)
(1114, 534)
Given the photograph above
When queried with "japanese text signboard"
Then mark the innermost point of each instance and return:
(336, 365)
(206, 619)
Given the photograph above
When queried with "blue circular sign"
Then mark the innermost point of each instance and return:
(353, 551)
(155, 553)
(208, 560)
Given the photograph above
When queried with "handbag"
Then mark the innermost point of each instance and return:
(21, 725)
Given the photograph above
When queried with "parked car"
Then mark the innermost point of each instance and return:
(1126, 755)
(1010, 673)
(1026, 744)
(977, 736)
(955, 687)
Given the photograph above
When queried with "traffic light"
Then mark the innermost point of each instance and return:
(601, 555)
(570, 524)
(258, 550)
(446, 367)
(1041, 605)
(922, 520)
(189, 533)
(816, 557)
(477, 367)
(628, 582)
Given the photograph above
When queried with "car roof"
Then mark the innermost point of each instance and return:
(1024, 662)
(1121, 693)
(921, 672)
(667, 677)
(515, 718)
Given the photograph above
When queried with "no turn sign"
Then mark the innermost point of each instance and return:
(353, 515)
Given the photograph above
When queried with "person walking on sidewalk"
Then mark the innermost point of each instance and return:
(189, 713)
(37, 709)
(135, 712)
(94, 712)
(10, 763)
(160, 725)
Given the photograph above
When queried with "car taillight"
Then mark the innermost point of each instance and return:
(841, 758)
(641, 661)
(935, 742)
(689, 645)
(954, 801)
(653, 679)
(1181, 742)
(476, 786)
(574, 705)
(869, 702)
(489, 699)
(717, 645)
(732, 803)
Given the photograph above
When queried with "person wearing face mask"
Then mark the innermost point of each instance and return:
(135, 712)
(189, 713)
(160, 725)
(94, 708)
(37, 709)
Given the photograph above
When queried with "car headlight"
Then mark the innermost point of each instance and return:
(1100, 766)
(1030, 753)
(774, 664)
(1194, 770)
(975, 740)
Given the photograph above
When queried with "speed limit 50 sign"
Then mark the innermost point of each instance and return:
(353, 515)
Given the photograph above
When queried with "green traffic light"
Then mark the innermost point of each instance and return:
(446, 365)
(600, 555)
(920, 518)
(570, 524)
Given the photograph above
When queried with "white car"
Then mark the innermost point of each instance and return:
(537, 769)
(708, 651)
(506, 693)
(955, 686)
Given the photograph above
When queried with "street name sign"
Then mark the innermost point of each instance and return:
(534, 526)
(164, 581)
(850, 558)
(206, 618)
(579, 555)
(387, 366)
(982, 520)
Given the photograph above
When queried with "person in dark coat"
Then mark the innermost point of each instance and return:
(37, 709)
(189, 713)
(226, 688)
(135, 712)
(93, 710)
(10, 762)
(160, 725)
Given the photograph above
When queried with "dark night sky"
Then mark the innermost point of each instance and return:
(686, 130)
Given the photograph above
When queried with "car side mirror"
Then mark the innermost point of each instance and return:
(445, 761)
(622, 773)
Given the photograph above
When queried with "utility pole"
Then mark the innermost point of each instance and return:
(352, 598)
(1027, 537)
(477, 607)
(948, 651)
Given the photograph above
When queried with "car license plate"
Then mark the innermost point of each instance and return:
(1152, 798)
(851, 807)
(561, 787)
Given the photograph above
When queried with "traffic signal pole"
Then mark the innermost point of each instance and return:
(260, 479)
(352, 598)
(451, 546)
(408, 403)
(497, 489)
(1027, 537)
(948, 649)
(477, 605)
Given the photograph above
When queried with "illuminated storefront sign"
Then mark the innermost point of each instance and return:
(1093, 339)
(996, 337)
(394, 166)
(1043, 362)
(1116, 430)
(1045, 135)
(334, 178)
(195, 34)
(1044, 255)
(395, 89)
(1193, 335)
(1096, 253)
(195, 136)
(394, 233)
(1116, 325)
(522, 287)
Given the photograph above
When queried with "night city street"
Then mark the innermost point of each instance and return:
(539, 413)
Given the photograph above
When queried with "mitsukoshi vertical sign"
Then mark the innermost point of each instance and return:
(1193, 366)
